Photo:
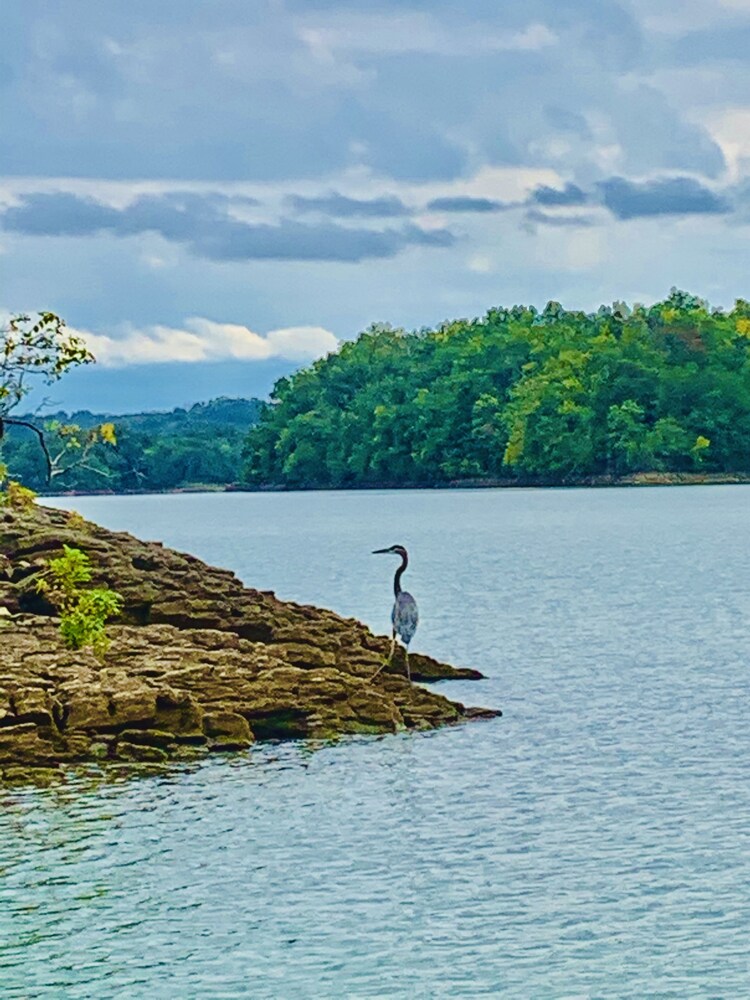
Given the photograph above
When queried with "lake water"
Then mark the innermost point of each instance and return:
(593, 842)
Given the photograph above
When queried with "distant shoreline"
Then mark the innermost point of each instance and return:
(638, 479)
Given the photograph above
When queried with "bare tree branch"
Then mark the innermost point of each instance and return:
(39, 433)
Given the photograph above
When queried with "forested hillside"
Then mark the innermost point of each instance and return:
(550, 396)
(201, 445)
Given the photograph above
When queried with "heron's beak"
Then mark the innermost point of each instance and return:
(376, 552)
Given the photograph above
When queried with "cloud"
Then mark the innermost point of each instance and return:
(294, 241)
(466, 204)
(571, 194)
(208, 226)
(534, 215)
(730, 128)
(565, 120)
(713, 45)
(59, 215)
(668, 196)
(202, 340)
(340, 206)
(290, 90)
(368, 112)
(399, 32)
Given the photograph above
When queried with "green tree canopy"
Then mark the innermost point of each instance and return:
(555, 395)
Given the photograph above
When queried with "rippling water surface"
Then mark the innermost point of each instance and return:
(594, 842)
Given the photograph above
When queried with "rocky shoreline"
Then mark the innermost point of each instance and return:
(197, 663)
(603, 481)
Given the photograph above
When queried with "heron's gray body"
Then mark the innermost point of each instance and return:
(405, 617)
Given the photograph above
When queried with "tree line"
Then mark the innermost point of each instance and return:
(520, 394)
(198, 446)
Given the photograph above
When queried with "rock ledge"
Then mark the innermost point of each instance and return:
(198, 662)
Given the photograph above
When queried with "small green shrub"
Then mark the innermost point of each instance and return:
(83, 625)
(75, 521)
(19, 497)
(14, 495)
(83, 612)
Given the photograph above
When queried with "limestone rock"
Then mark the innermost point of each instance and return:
(228, 725)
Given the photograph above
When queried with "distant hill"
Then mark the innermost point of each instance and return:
(160, 450)
(223, 412)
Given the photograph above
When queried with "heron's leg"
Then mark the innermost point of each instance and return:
(408, 668)
(393, 647)
(386, 663)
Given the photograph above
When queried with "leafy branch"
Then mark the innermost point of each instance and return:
(45, 348)
(41, 348)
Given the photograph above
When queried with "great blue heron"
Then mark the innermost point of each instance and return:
(404, 615)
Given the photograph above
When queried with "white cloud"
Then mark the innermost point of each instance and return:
(156, 261)
(736, 5)
(730, 129)
(398, 33)
(301, 343)
(205, 340)
(480, 264)
(508, 184)
(679, 17)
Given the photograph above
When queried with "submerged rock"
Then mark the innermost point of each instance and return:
(196, 659)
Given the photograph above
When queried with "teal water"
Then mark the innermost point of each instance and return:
(593, 842)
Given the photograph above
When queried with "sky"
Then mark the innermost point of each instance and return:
(214, 194)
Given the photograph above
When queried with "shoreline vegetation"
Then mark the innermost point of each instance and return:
(636, 479)
(193, 663)
(555, 397)
(148, 452)
(521, 397)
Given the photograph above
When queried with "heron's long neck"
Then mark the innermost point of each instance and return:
(399, 574)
